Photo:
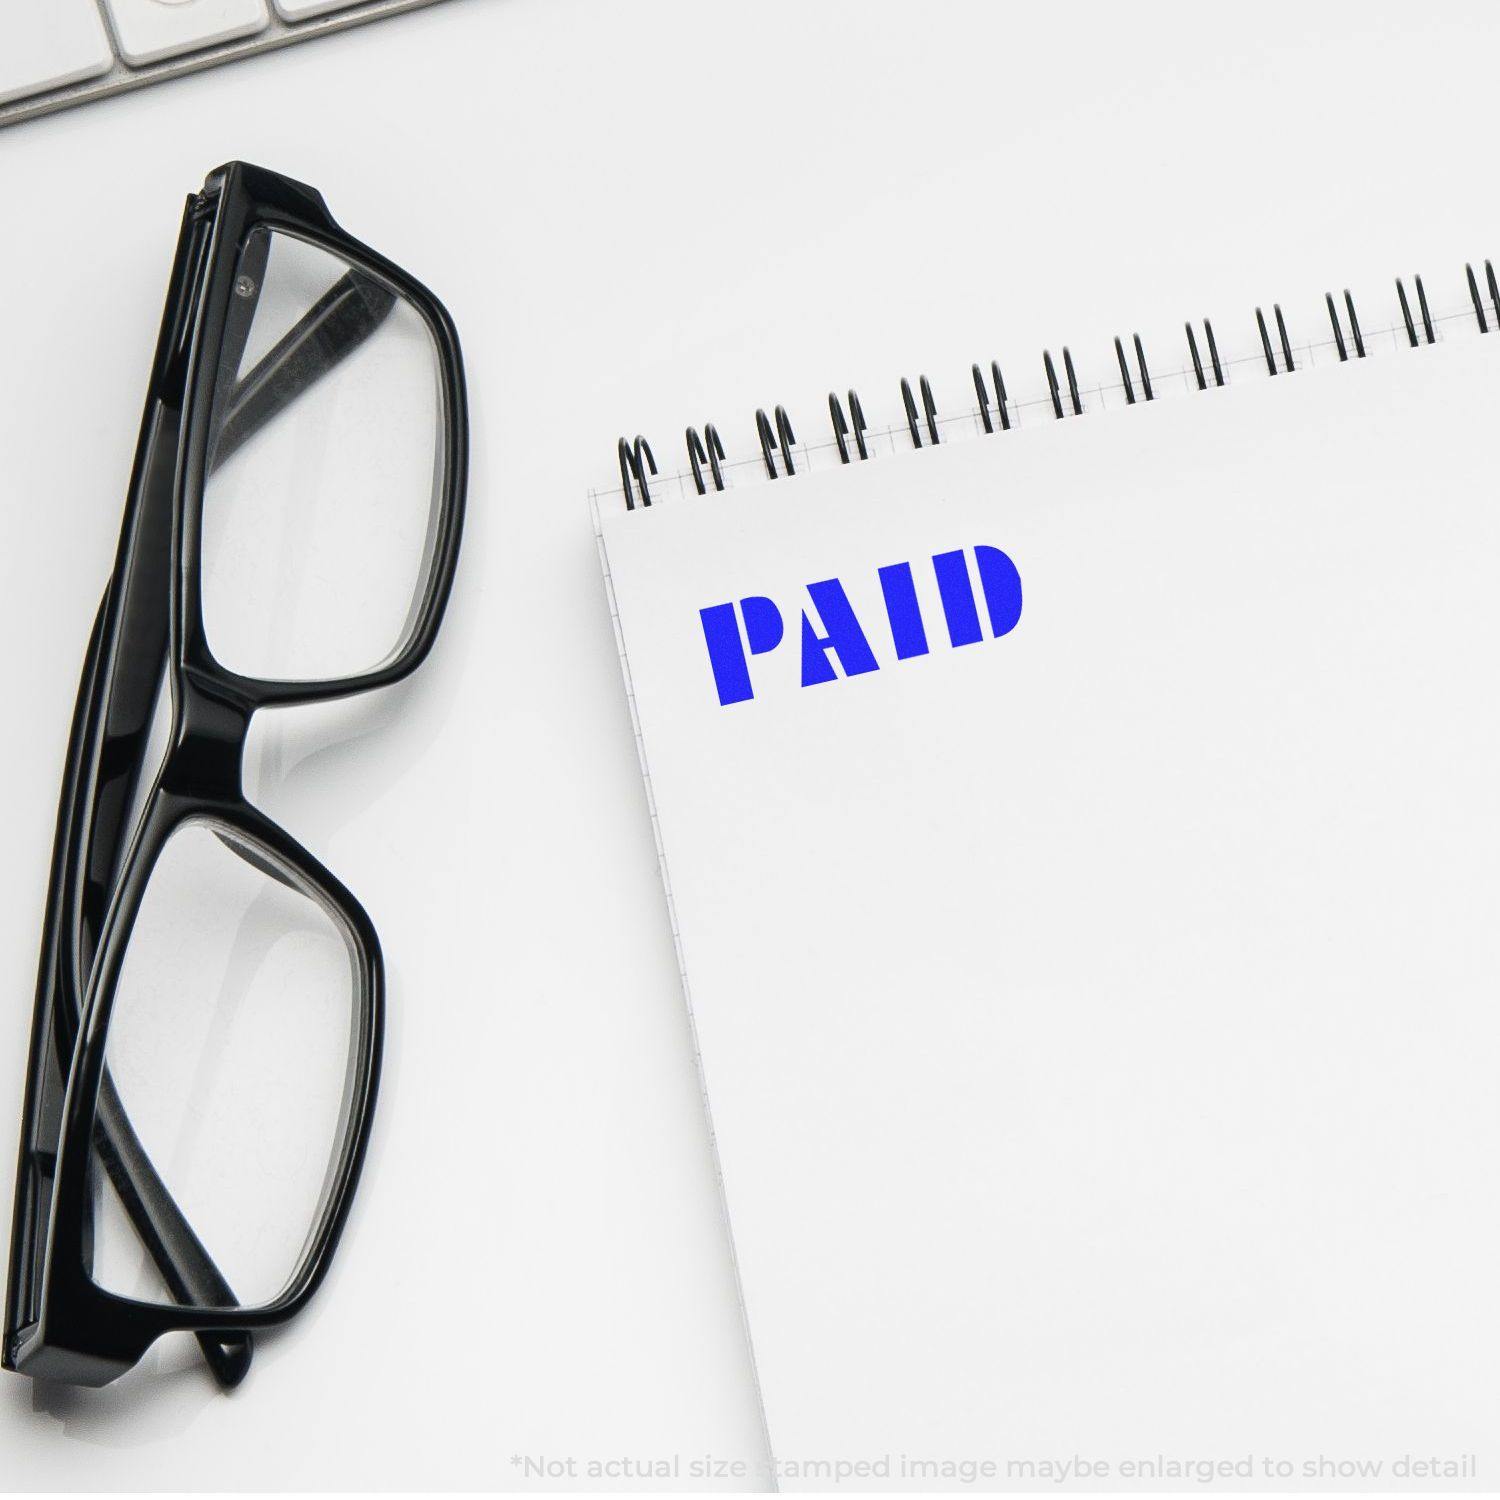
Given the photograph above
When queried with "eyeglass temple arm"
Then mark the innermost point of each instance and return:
(336, 325)
(327, 333)
(333, 328)
(185, 1266)
(178, 1254)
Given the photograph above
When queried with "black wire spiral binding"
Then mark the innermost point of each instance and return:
(768, 442)
(984, 398)
(1474, 295)
(1052, 386)
(697, 456)
(1338, 330)
(929, 411)
(841, 428)
(1213, 355)
(1411, 331)
(706, 453)
(1140, 360)
(632, 467)
(1265, 339)
(1359, 338)
(1489, 276)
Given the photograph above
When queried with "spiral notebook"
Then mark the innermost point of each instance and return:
(1078, 810)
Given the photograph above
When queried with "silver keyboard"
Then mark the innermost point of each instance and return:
(54, 53)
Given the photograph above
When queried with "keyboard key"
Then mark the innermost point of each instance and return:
(47, 43)
(150, 30)
(300, 10)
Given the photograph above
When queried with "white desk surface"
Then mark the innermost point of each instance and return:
(640, 217)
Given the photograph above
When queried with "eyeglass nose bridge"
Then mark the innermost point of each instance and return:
(206, 760)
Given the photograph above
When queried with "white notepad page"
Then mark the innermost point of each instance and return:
(1100, 1024)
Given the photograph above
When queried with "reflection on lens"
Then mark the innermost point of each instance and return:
(230, 1045)
(324, 462)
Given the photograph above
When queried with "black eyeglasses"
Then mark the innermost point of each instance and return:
(207, 1033)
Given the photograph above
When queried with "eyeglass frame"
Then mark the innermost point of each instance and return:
(59, 1323)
